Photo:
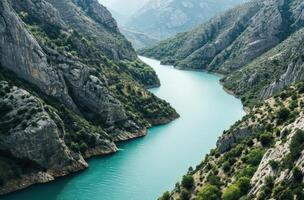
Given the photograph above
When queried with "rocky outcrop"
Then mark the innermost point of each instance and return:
(94, 21)
(99, 13)
(230, 139)
(270, 73)
(22, 54)
(29, 133)
(277, 154)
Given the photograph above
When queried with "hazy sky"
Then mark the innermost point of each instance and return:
(123, 7)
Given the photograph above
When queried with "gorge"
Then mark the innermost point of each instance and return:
(144, 168)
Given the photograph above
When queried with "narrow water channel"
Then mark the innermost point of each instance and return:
(144, 168)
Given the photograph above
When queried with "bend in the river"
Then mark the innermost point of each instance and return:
(144, 168)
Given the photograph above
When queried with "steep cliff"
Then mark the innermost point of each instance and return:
(271, 72)
(233, 39)
(72, 87)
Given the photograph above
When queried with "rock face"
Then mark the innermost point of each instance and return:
(71, 85)
(164, 18)
(93, 20)
(234, 39)
(278, 153)
(31, 62)
(237, 44)
(270, 73)
(28, 133)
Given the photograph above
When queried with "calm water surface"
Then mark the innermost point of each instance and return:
(144, 168)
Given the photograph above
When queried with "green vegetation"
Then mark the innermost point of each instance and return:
(226, 174)
(209, 192)
(187, 182)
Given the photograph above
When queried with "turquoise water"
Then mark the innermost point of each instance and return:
(144, 168)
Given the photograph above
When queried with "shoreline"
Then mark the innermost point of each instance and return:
(40, 177)
(246, 109)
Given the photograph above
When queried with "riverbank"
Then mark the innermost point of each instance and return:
(165, 153)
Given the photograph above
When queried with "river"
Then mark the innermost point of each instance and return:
(146, 167)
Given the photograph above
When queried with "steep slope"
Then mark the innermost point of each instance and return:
(164, 18)
(270, 73)
(71, 80)
(259, 157)
(233, 39)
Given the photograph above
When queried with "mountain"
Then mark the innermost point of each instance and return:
(164, 18)
(71, 86)
(236, 41)
(258, 49)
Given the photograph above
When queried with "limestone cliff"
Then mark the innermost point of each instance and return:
(71, 86)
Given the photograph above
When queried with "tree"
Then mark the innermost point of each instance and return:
(233, 192)
(185, 195)
(209, 192)
(297, 174)
(283, 115)
(266, 139)
(244, 185)
(187, 182)
(166, 196)
(226, 166)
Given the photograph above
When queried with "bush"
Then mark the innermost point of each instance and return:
(187, 182)
(226, 166)
(244, 185)
(296, 145)
(297, 175)
(231, 193)
(166, 196)
(274, 164)
(247, 172)
(83, 147)
(266, 139)
(214, 180)
(185, 195)
(209, 192)
(254, 157)
(286, 195)
(283, 115)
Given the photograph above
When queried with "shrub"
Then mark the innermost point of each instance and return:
(254, 157)
(214, 180)
(266, 139)
(244, 185)
(226, 166)
(283, 115)
(166, 196)
(231, 193)
(83, 147)
(274, 164)
(187, 182)
(209, 192)
(247, 172)
(286, 195)
(297, 174)
(185, 195)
